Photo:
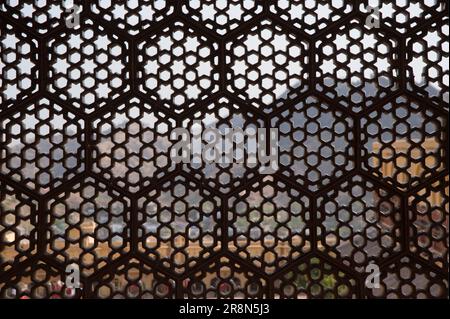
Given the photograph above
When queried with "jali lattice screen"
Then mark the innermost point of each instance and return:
(90, 92)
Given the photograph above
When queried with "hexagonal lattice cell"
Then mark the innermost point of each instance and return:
(268, 224)
(88, 66)
(37, 281)
(178, 66)
(18, 65)
(42, 145)
(228, 118)
(88, 225)
(315, 143)
(429, 223)
(406, 278)
(357, 65)
(428, 63)
(134, 279)
(403, 142)
(311, 16)
(224, 279)
(314, 278)
(179, 224)
(222, 16)
(133, 145)
(360, 223)
(403, 15)
(267, 66)
(43, 15)
(132, 16)
(18, 220)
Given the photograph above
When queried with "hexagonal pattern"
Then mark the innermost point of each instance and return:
(269, 224)
(88, 225)
(18, 220)
(178, 66)
(115, 139)
(428, 63)
(132, 145)
(222, 16)
(179, 224)
(357, 65)
(267, 66)
(40, 16)
(311, 16)
(404, 142)
(406, 278)
(315, 143)
(18, 65)
(314, 278)
(132, 16)
(360, 223)
(88, 66)
(428, 218)
(228, 118)
(404, 15)
(42, 145)
(134, 280)
(37, 281)
(224, 279)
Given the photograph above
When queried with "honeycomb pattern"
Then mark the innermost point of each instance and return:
(311, 16)
(18, 220)
(37, 281)
(267, 66)
(428, 223)
(315, 143)
(40, 16)
(18, 65)
(178, 66)
(88, 226)
(428, 63)
(268, 224)
(222, 16)
(133, 279)
(359, 223)
(224, 115)
(132, 145)
(404, 16)
(88, 66)
(42, 145)
(179, 224)
(404, 142)
(357, 65)
(133, 16)
(314, 278)
(407, 278)
(89, 170)
(224, 279)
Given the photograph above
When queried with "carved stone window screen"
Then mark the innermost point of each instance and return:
(86, 176)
